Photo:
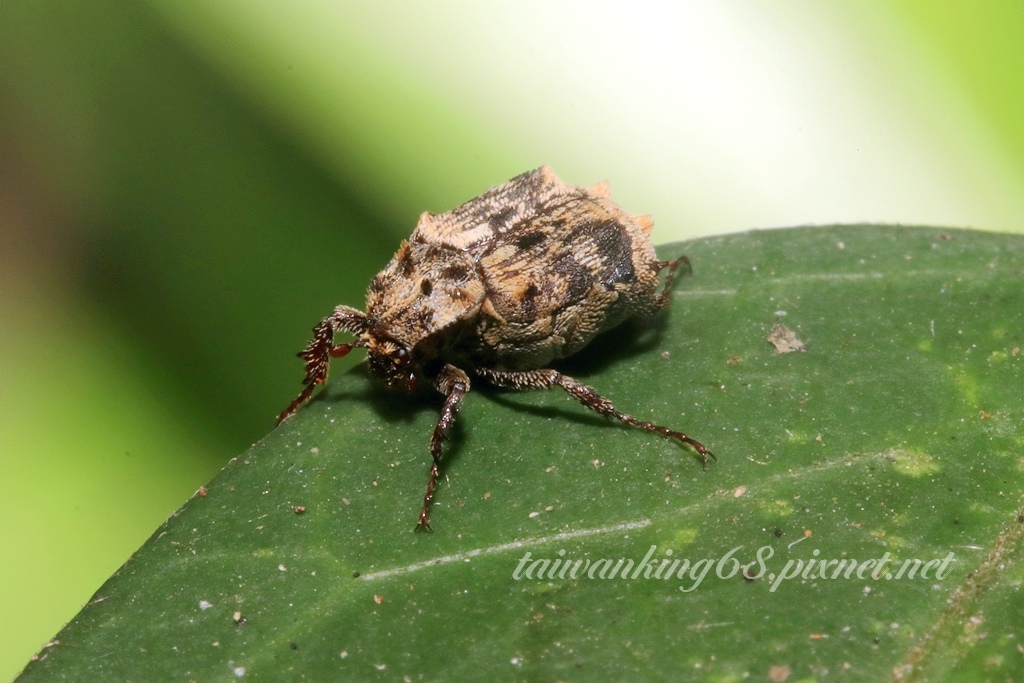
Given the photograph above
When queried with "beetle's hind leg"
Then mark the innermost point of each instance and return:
(321, 349)
(672, 266)
(588, 397)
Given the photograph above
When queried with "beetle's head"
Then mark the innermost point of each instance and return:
(391, 363)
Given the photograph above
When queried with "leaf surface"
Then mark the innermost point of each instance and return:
(895, 434)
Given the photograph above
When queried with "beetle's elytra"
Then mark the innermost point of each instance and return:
(496, 289)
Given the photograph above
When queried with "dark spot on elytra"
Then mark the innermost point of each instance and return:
(621, 269)
(455, 272)
(530, 239)
(499, 218)
(531, 291)
(576, 277)
(613, 244)
(426, 287)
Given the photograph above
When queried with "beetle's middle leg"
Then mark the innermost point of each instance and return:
(454, 384)
(545, 379)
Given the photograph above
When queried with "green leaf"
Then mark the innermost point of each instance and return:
(896, 433)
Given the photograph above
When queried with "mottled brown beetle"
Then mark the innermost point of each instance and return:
(499, 287)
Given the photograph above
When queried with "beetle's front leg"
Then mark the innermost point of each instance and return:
(321, 348)
(454, 384)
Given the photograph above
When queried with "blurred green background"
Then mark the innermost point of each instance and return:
(187, 187)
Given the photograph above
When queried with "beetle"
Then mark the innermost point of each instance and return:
(498, 288)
